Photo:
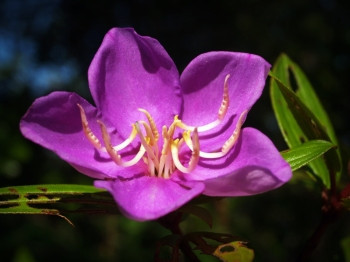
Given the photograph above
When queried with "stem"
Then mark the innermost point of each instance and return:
(172, 222)
(331, 210)
(327, 219)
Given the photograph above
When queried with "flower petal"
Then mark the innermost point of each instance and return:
(148, 198)
(203, 84)
(254, 166)
(130, 71)
(203, 81)
(54, 122)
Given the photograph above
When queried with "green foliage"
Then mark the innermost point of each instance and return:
(220, 245)
(301, 117)
(303, 154)
(39, 200)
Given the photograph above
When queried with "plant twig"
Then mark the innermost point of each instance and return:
(172, 222)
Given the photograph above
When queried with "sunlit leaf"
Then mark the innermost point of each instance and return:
(54, 200)
(235, 251)
(301, 116)
(300, 156)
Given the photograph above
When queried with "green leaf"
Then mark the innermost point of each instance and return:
(235, 251)
(33, 199)
(300, 156)
(301, 116)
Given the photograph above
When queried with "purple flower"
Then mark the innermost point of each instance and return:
(156, 140)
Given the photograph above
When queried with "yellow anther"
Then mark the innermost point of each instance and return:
(151, 123)
(87, 131)
(187, 137)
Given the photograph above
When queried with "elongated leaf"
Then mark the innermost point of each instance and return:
(40, 199)
(299, 119)
(300, 156)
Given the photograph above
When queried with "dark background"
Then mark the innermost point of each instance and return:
(47, 45)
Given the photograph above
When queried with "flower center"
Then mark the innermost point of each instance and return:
(163, 161)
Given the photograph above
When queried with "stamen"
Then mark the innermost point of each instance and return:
(151, 140)
(225, 100)
(227, 145)
(195, 153)
(151, 122)
(233, 138)
(175, 146)
(221, 113)
(168, 161)
(87, 131)
(148, 132)
(128, 141)
(165, 150)
(114, 154)
(146, 145)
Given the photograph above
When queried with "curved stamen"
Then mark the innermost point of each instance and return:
(87, 131)
(227, 146)
(149, 132)
(221, 113)
(146, 145)
(151, 123)
(225, 100)
(165, 150)
(114, 154)
(175, 146)
(127, 141)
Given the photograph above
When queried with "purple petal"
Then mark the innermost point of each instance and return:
(130, 71)
(254, 166)
(148, 198)
(202, 85)
(54, 122)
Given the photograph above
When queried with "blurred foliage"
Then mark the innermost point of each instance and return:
(47, 45)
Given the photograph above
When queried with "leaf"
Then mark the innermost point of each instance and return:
(301, 116)
(235, 251)
(300, 156)
(34, 199)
